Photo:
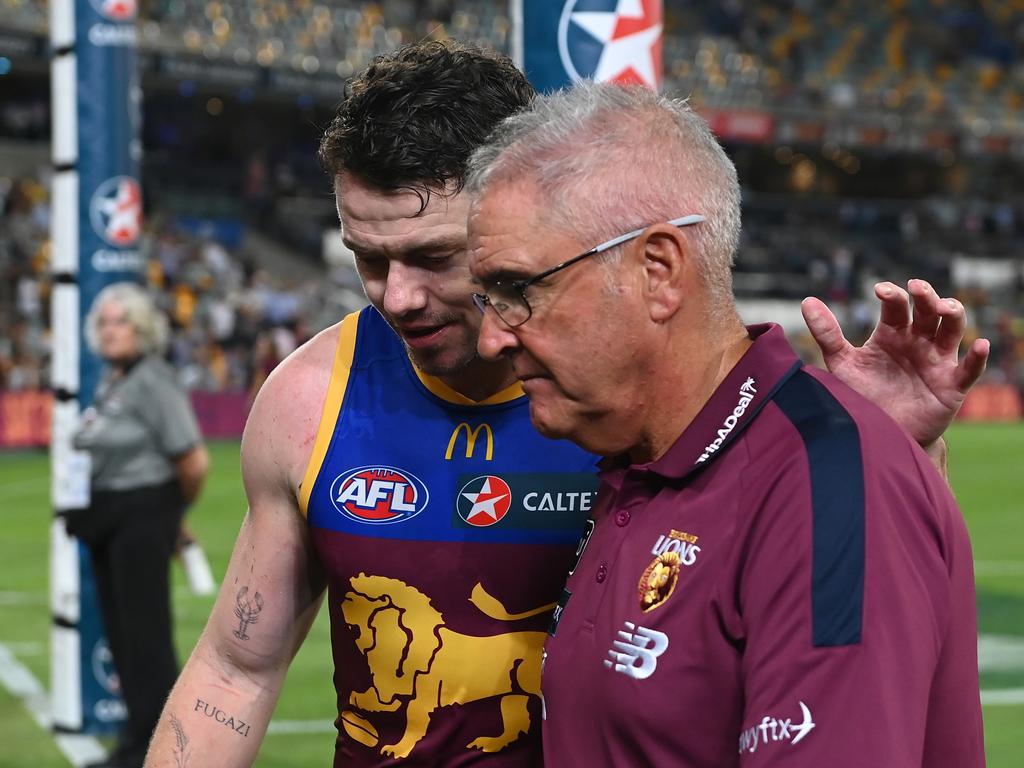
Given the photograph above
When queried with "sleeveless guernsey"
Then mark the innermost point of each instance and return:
(446, 529)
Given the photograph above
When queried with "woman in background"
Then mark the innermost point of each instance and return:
(148, 464)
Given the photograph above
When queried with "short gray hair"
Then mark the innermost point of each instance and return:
(149, 322)
(610, 158)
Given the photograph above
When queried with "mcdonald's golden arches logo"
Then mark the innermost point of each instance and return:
(472, 433)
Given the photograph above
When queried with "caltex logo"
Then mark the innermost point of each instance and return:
(103, 667)
(116, 10)
(612, 40)
(379, 495)
(485, 500)
(116, 211)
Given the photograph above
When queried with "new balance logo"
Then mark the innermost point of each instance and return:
(638, 651)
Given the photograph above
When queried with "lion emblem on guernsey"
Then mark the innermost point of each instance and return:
(419, 664)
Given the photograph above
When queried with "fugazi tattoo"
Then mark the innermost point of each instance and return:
(247, 611)
(214, 712)
(180, 743)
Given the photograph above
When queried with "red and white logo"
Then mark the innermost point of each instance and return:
(116, 10)
(116, 211)
(379, 495)
(612, 40)
(484, 500)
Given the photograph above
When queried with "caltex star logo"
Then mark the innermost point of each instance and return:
(612, 40)
(116, 10)
(483, 501)
(116, 211)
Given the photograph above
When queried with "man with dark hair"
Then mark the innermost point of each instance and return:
(385, 462)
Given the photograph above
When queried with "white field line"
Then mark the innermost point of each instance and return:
(27, 648)
(8, 597)
(289, 727)
(22, 684)
(1003, 697)
(999, 567)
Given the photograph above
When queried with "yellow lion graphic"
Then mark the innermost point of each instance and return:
(416, 661)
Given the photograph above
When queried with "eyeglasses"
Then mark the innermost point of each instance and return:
(508, 298)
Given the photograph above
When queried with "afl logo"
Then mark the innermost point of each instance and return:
(379, 495)
(115, 211)
(116, 10)
(484, 500)
(611, 40)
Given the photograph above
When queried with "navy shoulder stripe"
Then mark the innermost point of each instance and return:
(837, 495)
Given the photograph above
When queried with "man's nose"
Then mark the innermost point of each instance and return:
(496, 338)
(405, 290)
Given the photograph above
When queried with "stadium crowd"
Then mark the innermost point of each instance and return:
(940, 57)
(232, 321)
(813, 225)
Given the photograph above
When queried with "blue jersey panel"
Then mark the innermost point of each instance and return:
(404, 463)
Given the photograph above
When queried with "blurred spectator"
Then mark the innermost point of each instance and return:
(148, 465)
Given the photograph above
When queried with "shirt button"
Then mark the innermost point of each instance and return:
(622, 517)
(602, 573)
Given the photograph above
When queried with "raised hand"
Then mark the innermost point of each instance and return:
(909, 366)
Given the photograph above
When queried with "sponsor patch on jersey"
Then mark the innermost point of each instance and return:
(532, 501)
(771, 730)
(379, 495)
(635, 653)
(484, 500)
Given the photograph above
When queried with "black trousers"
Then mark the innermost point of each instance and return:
(131, 536)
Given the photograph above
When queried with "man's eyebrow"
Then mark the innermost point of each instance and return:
(441, 244)
(502, 275)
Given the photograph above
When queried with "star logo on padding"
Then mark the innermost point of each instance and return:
(630, 37)
(485, 500)
(116, 210)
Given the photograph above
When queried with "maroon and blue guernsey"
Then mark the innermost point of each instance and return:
(445, 528)
(791, 584)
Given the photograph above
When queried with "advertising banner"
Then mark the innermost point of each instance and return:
(557, 42)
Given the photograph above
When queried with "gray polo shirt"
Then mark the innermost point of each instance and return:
(138, 425)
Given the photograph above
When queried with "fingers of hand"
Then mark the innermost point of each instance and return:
(973, 365)
(823, 327)
(895, 305)
(926, 308)
(951, 330)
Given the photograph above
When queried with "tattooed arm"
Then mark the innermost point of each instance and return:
(219, 709)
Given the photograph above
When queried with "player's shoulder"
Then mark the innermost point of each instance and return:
(285, 413)
(859, 436)
(821, 406)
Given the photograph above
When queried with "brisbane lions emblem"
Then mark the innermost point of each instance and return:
(659, 580)
(418, 664)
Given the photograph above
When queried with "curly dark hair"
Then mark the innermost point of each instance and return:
(413, 117)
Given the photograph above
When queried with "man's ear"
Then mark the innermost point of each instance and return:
(667, 268)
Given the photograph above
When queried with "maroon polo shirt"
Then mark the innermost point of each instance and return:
(790, 584)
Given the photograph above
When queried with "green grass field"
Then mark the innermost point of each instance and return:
(987, 469)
